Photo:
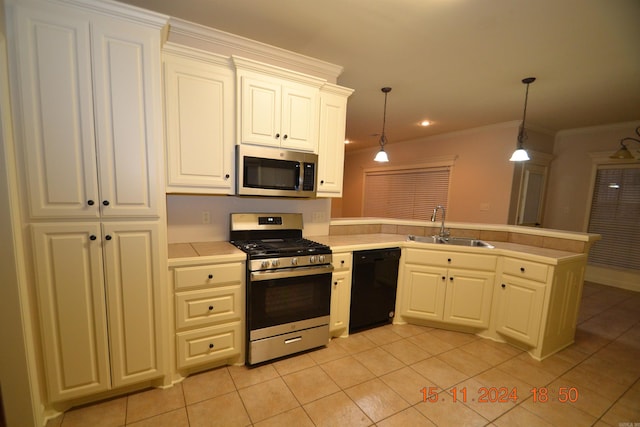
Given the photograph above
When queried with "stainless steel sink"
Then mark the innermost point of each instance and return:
(458, 241)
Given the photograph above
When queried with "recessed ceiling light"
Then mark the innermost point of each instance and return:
(426, 123)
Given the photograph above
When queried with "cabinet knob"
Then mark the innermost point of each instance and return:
(277, 135)
(92, 237)
(504, 286)
(322, 181)
(285, 136)
(227, 176)
(522, 269)
(210, 276)
(105, 202)
(335, 283)
(90, 202)
(451, 278)
(444, 278)
(448, 259)
(210, 307)
(211, 345)
(107, 237)
(341, 262)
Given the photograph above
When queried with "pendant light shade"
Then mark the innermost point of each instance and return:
(382, 155)
(520, 155)
(623, 152)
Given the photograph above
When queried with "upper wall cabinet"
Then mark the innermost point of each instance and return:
(200, 120)
(277, 107)
(333, 117)
(89, 97)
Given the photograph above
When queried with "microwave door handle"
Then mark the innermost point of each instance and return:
(301, 177)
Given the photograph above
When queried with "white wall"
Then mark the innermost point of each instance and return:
(184, 215)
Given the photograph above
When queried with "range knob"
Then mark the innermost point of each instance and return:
(312, 259)
(294, 261)
(320, 258)
(275, 263)
(264, 264)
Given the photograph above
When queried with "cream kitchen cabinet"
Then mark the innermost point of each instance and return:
(536, 304)
(277, 107)
(340, 294)
(450, 287)
(199, 119)
(99, 303)
(90, 111)
(333, 113)
(209, 312)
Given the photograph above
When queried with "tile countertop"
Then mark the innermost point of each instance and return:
(196, 253)
(354, 242)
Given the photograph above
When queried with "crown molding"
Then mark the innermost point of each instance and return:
(223, 43)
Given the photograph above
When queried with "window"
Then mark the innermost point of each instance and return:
(409, 193)
(615, 213)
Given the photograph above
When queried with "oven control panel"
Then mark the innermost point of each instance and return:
(289, 262)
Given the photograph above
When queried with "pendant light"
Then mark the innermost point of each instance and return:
(520, 155)
(624, 153)
(382, 155)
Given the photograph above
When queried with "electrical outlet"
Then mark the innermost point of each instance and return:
(318, 216)
(206, 217)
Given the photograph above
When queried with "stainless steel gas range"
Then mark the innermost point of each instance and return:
(288, 285)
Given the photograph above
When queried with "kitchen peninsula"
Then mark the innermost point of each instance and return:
(525, 290)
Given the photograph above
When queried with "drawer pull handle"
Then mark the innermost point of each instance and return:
(522, 269)
(342, 261)
(210, 307)
(211, 345)
(292, 340)
(210, 276)
(504, 286)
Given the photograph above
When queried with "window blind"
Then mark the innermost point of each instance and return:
(615, 214)
(405, 194)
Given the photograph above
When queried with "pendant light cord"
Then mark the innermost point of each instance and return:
(521, 133)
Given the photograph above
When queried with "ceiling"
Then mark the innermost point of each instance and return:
(458, 63)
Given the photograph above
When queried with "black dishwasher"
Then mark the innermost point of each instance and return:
(373, 288)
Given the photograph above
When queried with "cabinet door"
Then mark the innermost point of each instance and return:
(70, 290)
(199, 115)
(340, 302)
(260, 111)
(128, 111)
(424, 292)
(520, 304)
(134, 295)
(299, 128)
(333, 111)
(57, 126)
(469, 296)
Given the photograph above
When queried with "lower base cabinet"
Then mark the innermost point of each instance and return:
(433, 292)
(99, 289)
(209, 307)
(340, 294)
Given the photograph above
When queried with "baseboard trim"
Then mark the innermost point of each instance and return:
(624, 279)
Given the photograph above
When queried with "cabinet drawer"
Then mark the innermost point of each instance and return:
(208, 344)
(208, 275)
(342, 261)
(451, 259)
(526, 269)
(208, 306)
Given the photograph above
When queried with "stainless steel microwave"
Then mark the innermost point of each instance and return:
(270, 171)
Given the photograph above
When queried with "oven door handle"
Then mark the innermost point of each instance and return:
(284, 273)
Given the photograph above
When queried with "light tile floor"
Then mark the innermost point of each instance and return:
(379, 377)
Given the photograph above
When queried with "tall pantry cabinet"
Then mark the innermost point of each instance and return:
(87, 104)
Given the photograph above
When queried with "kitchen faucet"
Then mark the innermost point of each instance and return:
(444, 234)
